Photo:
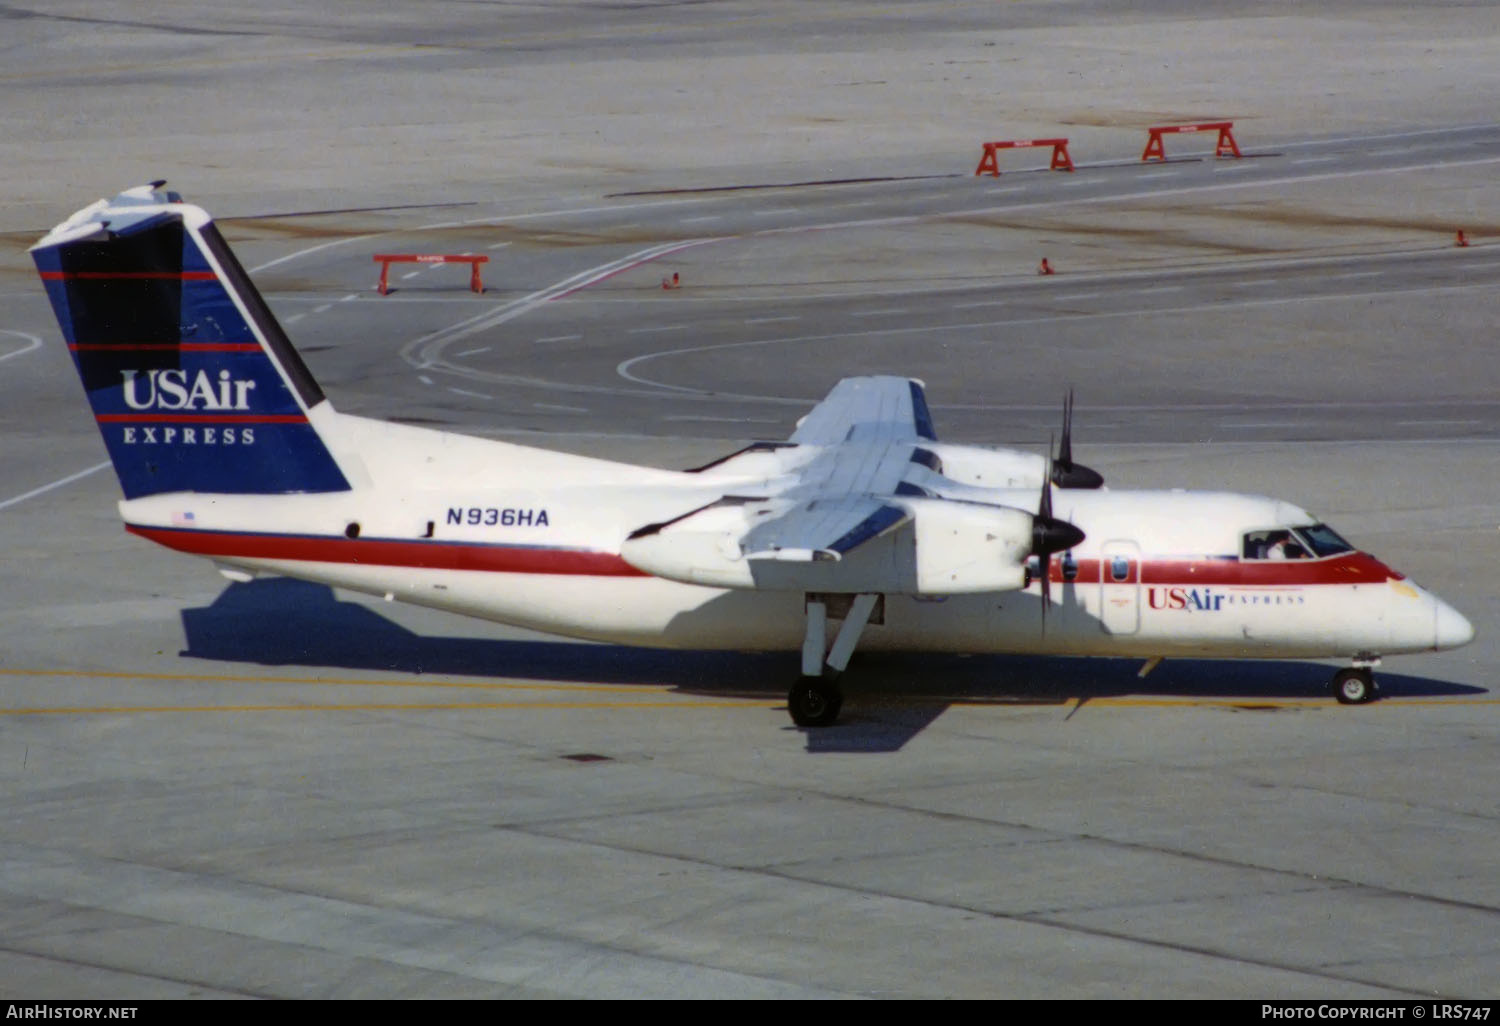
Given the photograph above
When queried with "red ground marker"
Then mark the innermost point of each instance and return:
(990, 162)
(1226, 147)
(387, 259)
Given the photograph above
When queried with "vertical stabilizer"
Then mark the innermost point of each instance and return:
(193, 383)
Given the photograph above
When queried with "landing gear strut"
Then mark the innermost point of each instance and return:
(816, 698)
(1354, 686)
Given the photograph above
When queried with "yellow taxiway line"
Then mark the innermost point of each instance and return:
(1270, 703)
(386, 707)
(633, 689)
(648, 695)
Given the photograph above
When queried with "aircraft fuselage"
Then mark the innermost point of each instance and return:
(1159, 573)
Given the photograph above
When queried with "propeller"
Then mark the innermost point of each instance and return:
(1065, 473)
(1049, 536)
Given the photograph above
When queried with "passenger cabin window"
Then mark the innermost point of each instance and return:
(1317, 541)
(1119, 568)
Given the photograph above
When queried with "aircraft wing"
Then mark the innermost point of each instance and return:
(870, 409)
(867, 430)
(869, 510)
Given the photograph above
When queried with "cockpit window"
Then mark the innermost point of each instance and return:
(1323, 540)
(1315, 542)
(1275, 544)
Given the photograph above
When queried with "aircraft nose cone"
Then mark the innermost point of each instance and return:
(1451, 628)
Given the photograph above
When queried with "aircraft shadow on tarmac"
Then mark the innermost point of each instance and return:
(891, 697)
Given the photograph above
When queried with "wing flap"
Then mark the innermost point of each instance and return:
(823, 529)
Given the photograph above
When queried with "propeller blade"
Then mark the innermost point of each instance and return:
(1044, 508)
(1064, 472)
(1049, 536)
(1046, 590)
(1065, 451)
(1040, 525)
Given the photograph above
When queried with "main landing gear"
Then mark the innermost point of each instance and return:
(815, 700)
(1354, 686)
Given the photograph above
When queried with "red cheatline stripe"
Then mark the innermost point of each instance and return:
(200, 418)
(128, 276)
(1349, 568)
(426, 555)
(1353, 568)
(188, 347)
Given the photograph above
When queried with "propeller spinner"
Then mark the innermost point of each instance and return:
(1049, 534)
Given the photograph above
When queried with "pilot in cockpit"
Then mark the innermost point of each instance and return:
(1283, 546)
(1273, 545)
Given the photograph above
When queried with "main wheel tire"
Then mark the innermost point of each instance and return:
(814, 702)
(1354, 686)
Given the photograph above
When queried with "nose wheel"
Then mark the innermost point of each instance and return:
(1354, 686)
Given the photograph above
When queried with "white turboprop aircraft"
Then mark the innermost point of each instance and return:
(227, 448)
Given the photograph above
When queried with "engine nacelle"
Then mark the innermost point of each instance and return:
(964, 547)
(947, 548)
(989, 468)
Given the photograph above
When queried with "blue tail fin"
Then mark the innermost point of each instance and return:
(192, 381)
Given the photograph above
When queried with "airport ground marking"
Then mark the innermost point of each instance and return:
(1124, 196)
(429, 349)
(17, 500)
(646, 695)
(684, 703)
(336, 681)
(36, 343)
(687, 702)
(426, 352)
(495, 219)
(709, 418)
(386, 50)
(625, 368)
(1219, 702)
(314, 249)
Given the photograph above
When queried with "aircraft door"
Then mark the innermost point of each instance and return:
(1120, 587)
